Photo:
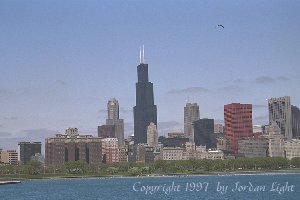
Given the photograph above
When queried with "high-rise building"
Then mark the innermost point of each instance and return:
(280, 112)
(152, 136)
(113, 119)
(106, 131)
(238, 123)
(275, 140)
(113, 109)
(145, 111)
(204, 133)
(296, 122)
(28, 149)
(191, 114)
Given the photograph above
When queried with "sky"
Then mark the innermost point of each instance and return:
(61, 61)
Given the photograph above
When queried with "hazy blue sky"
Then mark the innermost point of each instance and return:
(61, 61)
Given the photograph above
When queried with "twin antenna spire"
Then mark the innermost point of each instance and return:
(142, 55)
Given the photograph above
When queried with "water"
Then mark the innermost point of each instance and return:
(285, 186)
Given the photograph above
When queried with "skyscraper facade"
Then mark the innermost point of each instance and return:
(276, 140)
(110, 150)
(296, 122)
(113, 109)
(113, 119)
(9, 157)
(280, 112)
(238, 123)
(191, 114)
(145, 111)
(152, 137)
(106, 131)
(28, 149)
(204, 133)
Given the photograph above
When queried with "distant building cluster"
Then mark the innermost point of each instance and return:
(201, 138)
(26, 152)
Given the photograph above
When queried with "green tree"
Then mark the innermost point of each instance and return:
(33, 167)
(295, 161)
(112, 170)
(76, 167)
(134, 171)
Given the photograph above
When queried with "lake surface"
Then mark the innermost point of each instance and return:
(258, 186)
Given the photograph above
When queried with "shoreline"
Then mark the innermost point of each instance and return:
(233, 173)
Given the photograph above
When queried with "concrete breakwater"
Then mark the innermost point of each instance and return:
(9, 182)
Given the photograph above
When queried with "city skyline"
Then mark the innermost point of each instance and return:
(61, 61)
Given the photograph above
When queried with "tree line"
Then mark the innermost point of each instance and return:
(35, 168)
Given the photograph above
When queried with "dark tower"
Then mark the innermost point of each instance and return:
(204, 133)
(145, 111)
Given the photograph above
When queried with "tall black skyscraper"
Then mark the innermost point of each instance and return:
(296, 122)
(145, 111)
(204, 133)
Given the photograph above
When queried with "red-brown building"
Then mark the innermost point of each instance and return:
(110, 150)
(73, 147)
(238, 123)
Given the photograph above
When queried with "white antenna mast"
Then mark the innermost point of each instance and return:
(140, 55)
(143, 55)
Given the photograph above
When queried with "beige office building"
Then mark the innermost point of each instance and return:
(152, 136)
(172, 153)
(191, 114)
(292, 149)
(9, 157)
(275, 140)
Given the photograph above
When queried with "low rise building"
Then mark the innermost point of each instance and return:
(72, 147)
(123, 154)
(292, 148)
(201, 152)
(172, 153)
(214, 154)
(253, 147)
(191, 152)
(173, 141)
(9, 157)
(143, 153)
(176, 134)
(223, 144)
(110, 150)
(218, 128)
